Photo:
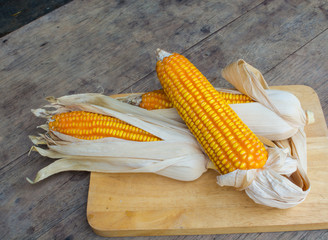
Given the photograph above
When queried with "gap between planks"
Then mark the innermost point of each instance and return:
(291, 54)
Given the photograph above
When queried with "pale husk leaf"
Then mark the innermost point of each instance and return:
(177, 156)
(282, 182)
(259, 118)
(249, 80)
(270, 185)
(179, 168)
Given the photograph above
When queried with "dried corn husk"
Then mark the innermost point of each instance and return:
(260, 119)
(254, 86)
(178, 156)
(282, 182)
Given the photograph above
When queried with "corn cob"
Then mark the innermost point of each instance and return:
(91, 126)
(228, 142)
(157, 99)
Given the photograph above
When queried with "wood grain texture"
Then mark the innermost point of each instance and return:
(306, 66)
(94, 46)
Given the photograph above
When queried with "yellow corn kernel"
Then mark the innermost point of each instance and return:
(207, 108)
(91, 126)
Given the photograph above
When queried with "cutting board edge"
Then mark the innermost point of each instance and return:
(205, 231)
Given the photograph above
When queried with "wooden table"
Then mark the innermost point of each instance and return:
(108, 46)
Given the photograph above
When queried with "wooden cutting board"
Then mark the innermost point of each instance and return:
(148, 204)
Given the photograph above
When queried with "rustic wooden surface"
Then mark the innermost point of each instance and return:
(108, 46)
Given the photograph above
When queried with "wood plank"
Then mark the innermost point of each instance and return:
(307, 66)
(133, 207)
(36, 208)
(69, 229)
(103, 46)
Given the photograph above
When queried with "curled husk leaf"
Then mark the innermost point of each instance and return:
(282, 182)
(177, 156)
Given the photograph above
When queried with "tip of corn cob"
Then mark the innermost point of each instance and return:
(310, 117)
(161, 54)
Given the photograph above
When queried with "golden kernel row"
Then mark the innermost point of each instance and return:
(91, 126)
